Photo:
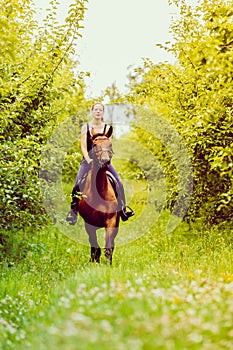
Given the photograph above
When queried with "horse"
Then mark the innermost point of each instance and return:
(98, 205)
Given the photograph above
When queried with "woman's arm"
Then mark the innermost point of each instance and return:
(84, 144)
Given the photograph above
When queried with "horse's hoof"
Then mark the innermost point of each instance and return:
(95, 254)
(108, 254)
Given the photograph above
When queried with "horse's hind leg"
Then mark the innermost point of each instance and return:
(95, 248)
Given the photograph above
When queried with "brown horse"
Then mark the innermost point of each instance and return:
(98, 205)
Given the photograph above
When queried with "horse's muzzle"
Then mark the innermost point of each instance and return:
(105, 164)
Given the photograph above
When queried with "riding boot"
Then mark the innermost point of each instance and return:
(126, 214)
(122, 205)
(72, 215)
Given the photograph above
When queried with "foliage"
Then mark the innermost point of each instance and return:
(39, 89)
(178, 286)
(163, 291)
(196, 97)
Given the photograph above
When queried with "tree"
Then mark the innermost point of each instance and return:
(196, 97)
(39, 88)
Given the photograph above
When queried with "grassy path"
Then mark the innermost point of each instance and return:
(163, 292)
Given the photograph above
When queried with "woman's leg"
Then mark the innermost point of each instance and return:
(83, 169)
(121, 196)
(120, 191)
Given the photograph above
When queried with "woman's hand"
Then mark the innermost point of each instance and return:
(89, 160)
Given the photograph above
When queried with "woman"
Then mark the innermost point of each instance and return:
(99, 127)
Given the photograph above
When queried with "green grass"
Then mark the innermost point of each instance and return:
(162, 292)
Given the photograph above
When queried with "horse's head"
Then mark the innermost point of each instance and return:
(102, 148)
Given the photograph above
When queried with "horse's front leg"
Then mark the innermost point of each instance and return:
(95, 248)
(109, 246)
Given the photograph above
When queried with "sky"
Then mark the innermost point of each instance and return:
(117, 34)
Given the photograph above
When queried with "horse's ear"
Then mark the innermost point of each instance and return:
(109, 132)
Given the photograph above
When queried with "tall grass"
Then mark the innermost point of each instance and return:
(162, 292)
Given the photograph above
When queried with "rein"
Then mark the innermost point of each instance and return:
(102, 149)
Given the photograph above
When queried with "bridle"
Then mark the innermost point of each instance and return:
(99, 150)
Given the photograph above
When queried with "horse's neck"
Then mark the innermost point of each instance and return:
(99, 180)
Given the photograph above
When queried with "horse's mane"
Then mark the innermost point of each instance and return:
(105, 135)
(98, 135)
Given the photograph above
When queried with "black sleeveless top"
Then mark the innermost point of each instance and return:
(89, 137)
